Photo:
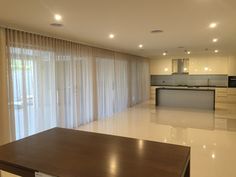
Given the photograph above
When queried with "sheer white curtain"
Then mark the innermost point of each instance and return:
(51, 81)
(66, 61)
(140, 80)
(85, 88)
(145, 78)
(134, 82)
(74, 86)
(121, 82)
(60, 83)
(105, 87)
(33, 76)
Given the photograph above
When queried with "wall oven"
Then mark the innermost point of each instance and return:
(232, 81)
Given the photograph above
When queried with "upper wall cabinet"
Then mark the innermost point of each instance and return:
(197, 65)
(161, 66)
(232, 66)
(208, 65)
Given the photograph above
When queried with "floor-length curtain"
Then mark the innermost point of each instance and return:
(140, 80)
(134, 82)
(51, 81)
(54, 82)
(121, 82)
(105, 87)
(74, 85)
(145, 78)
(66, 61)
(85, 88)
(32, 75)
(105, 83)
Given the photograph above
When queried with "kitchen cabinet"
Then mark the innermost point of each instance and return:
(221, 95)
(232, 66)
(153, 94)
(197, 65)
(208, 65)
(232, 96)
(225, 102)
(226, 95)
(160, 66)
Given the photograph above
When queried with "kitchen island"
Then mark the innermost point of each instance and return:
(199, 98)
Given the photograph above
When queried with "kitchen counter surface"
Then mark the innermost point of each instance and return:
(190, 86)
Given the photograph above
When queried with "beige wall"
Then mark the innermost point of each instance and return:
(197, 65)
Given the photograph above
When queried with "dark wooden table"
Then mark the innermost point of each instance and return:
(72, 153)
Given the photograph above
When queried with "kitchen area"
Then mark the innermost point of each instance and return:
(201, 83)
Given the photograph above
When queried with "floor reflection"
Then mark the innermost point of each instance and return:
(210, 134)
(191, 118)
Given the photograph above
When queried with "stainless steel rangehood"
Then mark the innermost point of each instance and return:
(180, 66)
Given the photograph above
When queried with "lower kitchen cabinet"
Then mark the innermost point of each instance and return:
(225, 100)
(153, 93)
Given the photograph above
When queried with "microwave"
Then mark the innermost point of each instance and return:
(232, 81)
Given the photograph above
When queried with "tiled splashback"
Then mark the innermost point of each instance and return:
(191, 80)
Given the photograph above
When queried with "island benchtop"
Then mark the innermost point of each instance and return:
(186, 88)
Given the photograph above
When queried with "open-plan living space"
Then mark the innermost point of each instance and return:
(112, 88)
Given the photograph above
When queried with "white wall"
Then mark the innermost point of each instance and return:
(197, 65)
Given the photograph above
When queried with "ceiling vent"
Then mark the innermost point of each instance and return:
(56, 24)
(156, 31)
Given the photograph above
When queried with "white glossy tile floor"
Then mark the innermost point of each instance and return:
(212, 139)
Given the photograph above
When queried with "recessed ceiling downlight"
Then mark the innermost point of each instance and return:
(157, 31)
(187, 52)
(215, 40)
(216, 51)
(140, 46)
(213, 25)
(57, 17)
(111, 36)
(56, 24)
(164, 53)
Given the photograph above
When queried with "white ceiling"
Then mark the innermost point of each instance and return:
(184, 22)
